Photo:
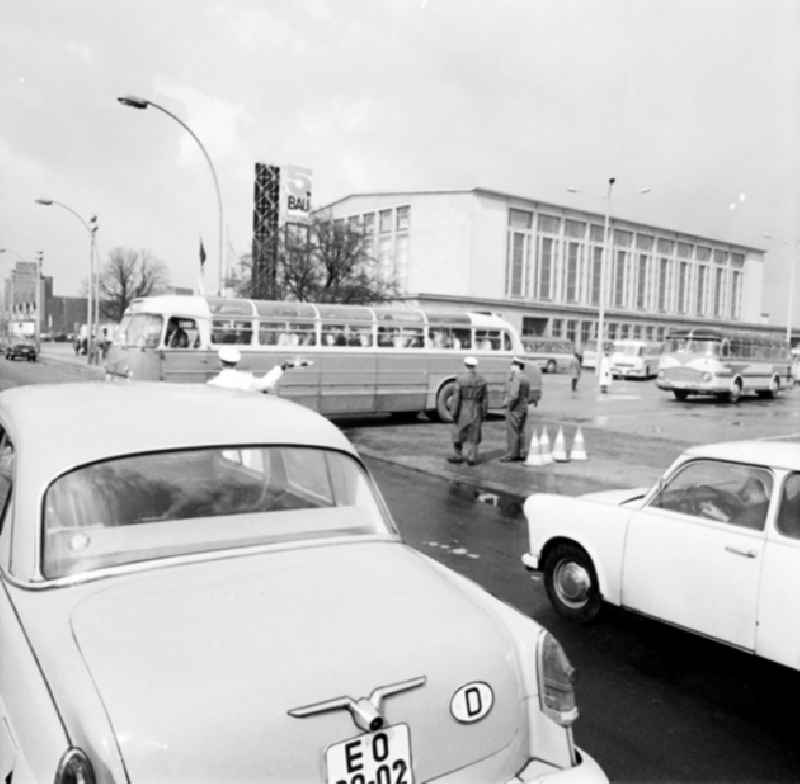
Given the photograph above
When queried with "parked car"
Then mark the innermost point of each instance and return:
(21, 347)
(205, 585)
(713, 547)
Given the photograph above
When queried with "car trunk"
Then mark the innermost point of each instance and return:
(198, 665)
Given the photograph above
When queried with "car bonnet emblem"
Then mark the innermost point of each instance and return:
(367, 712)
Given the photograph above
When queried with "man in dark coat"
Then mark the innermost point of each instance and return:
(470, 404)
(515, 402)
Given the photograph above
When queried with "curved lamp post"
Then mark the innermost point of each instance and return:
(134, 102)
(91, 228)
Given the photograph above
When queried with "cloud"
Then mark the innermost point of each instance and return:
(255, 28)
(80, 50)
(215, 121)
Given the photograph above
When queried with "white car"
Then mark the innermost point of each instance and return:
(199, 584)
(713, 548)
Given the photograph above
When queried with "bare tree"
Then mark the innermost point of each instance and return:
(327, 261)
(126, 275)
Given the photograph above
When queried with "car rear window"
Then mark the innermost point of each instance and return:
(165, 504)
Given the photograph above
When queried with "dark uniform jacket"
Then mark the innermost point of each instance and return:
(470, 406)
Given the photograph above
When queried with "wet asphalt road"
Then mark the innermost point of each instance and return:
(657, 704)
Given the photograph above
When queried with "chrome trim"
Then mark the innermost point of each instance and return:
(366, 712)
(185, 560)
(737, 551)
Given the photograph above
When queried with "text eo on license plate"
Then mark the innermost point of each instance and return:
(382, 757)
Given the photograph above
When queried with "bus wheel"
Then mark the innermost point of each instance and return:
(551, 366)
(444, 401)
(680, 394)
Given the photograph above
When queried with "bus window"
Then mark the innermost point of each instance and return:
(334, 335)
(238, 332)
(462, 339)
(270, 332)
(359, 335)
(143, 330)
(181, 333)
(413, 337)
(487, 340)
(456, 338)
(506, 341)
(302, 334)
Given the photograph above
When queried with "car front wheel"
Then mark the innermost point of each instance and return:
(571, 583)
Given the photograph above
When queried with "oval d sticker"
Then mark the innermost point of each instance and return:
(472, 702)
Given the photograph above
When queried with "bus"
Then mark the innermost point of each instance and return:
(365, 359)
(589, 352)
(639, 358)
(551, 354)
(724, 364)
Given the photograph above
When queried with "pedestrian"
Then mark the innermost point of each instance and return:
(575, 370)
(231, 377)
(515, 402)
(605, 376)
(470, 406)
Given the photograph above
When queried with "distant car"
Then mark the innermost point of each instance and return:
(21, 347)
(713, 548)
(61, 337)
(205, 585)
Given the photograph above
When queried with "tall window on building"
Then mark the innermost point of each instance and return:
(683, 274)
(702, 274)
(719, 274)
(549, 231)
(736, 294)
(611, 327)
(572, 329)
(641, 283)
(619, 279)
(597, 271)
(586, 332)
(575, 232)
(520, 223)
(556, 328)
(663, 279)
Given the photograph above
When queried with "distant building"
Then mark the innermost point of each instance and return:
(539, 264)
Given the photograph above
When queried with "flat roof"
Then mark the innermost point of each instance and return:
(683, 235)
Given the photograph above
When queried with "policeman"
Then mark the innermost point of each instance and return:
(470, 406)
(232, 378)
(515, 402)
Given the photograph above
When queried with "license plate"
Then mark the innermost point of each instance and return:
(382, 757)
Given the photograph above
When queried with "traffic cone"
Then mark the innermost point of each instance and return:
(534, 457)
(544, 444)
(578, 447)
(559, 450)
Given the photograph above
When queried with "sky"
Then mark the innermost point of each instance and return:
(698, 100)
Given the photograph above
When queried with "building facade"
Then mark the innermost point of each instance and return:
(540, 265)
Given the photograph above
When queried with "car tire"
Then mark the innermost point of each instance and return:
(680, 394)
(571, 583)
(551, 366)
(444, 399)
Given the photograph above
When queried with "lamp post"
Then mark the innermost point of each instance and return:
(789, 303)
(91, 228)
(134, 102)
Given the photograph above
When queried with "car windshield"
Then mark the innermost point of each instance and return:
(166, 504)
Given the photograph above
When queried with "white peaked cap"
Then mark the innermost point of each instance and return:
(470, 361)
(230, 354)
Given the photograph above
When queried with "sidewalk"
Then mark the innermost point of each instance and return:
(64, 355)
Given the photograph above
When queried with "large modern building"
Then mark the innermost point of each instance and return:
(539, 264)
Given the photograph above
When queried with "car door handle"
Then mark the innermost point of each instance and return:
(737, 551)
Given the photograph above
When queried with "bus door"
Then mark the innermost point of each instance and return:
(186, 356)
(347, 360)
(401, 363)
(282, 340)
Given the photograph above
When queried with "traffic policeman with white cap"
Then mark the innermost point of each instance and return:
(230, 377)
(470, 404)
(515, 402)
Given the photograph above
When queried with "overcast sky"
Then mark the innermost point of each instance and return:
(696, 99)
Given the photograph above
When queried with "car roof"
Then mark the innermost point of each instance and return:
(778, 454)
(56, 427)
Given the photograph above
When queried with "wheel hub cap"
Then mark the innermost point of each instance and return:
(572, 584)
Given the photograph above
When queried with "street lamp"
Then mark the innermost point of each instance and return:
(91, 228)
(134, 102)
(769, 236)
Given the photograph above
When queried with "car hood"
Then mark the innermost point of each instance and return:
(617, 497)
(197, 665)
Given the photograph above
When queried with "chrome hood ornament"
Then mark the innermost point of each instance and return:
(367, 712)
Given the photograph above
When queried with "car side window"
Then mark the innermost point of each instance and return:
(789, 512)
(6, 473)
(717, 490)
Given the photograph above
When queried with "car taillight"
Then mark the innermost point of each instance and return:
(556, 681)
(74, 768)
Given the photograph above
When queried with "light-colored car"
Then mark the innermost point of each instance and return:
(201, 584)
(714, 547)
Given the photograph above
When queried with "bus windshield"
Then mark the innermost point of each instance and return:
(142, 330)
